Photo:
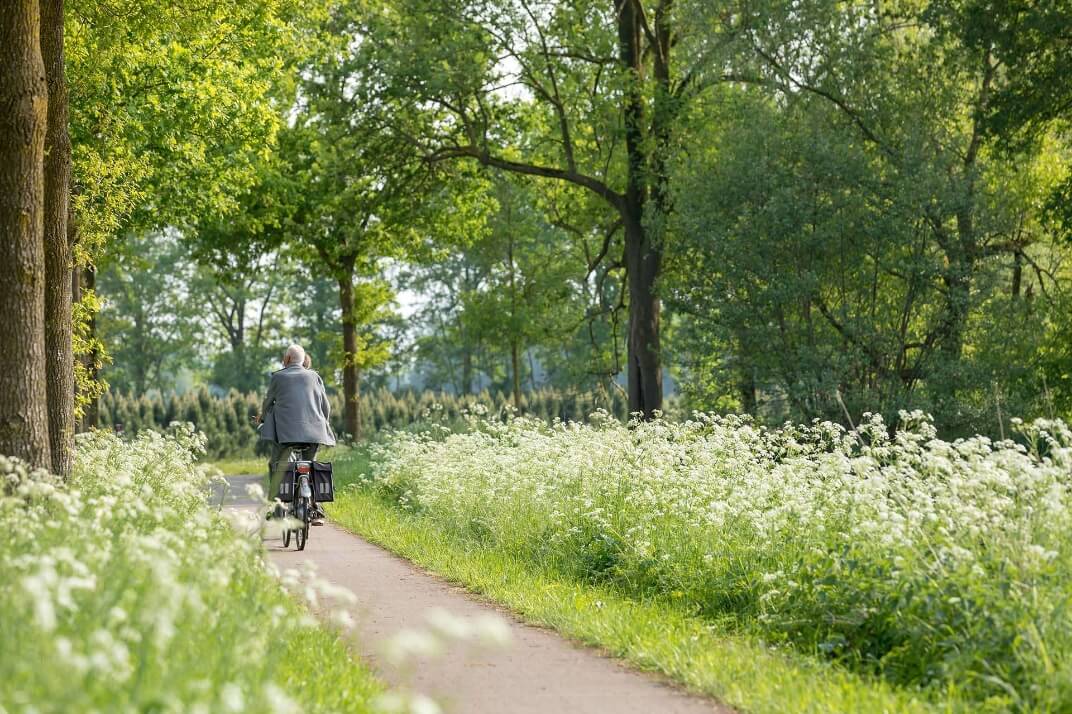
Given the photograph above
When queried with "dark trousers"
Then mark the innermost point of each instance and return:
(277, 463)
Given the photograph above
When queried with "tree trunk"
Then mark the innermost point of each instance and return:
(76, 277)
(467, 368)
(350, 395)
(1017, 274)
(139, 370)
(23, 121)
(532, 371)
(515, 368)
(467, 349)
(643, 263)
(961, 252)
(643, 260)
(749, 402)
(58, 262)
(515, 357)
(91, 413)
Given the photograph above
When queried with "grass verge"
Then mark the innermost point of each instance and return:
(257, 465)
(652, 635)
(317, 670)
(123, 592)
(241, 466)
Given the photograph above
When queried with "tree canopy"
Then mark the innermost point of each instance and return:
(795, 210)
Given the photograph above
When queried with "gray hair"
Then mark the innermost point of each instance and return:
(294, 355)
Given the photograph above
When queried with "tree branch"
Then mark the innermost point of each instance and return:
(487, 159)
(837, 101)
(555, 98)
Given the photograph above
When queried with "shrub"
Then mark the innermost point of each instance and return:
(932, 563)
(225, 420)
(122, 591)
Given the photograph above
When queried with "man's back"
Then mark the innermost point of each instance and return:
(296, 409)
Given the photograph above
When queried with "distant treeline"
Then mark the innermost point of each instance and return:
(226, 419)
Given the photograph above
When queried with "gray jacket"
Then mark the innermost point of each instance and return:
(296, 410)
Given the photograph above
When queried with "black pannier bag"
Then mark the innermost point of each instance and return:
(286, 485)
(323, 485)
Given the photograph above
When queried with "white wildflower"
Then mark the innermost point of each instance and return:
(492, 630)
(231, 698)
(409, 643)
(343, 619)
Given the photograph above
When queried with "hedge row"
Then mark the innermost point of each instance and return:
(225, 420)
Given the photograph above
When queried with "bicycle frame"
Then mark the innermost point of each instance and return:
(303, 503)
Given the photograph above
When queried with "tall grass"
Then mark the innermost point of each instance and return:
(937, 565)
(122, 591)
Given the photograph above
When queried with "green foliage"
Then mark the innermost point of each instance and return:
(90, 352)
(524, 285)
(172, 316)
(123, 591)
(373, 310)
(225, 420)
(848, 217)
(848, 239)
(346, 198)
(173, 109)
(172, 105)
(315, 300)
(147, 317)
(937, 565)
(1035, 98)
(660, 635)
(241, 293)
(1029, 38)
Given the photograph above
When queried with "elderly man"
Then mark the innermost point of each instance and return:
(295, 415)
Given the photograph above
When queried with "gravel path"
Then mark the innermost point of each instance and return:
(538, 673)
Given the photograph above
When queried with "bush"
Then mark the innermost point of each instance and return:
(225, 420)
(932, 563)
(123, 592)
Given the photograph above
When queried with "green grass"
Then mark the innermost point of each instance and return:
(940, 568)
(242, 465)
(316, 668)
(123, 591)
(256, 465)
(653, 635)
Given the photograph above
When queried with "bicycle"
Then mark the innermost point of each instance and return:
(297, 484)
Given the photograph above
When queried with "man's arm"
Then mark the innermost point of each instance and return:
(269, 399)
(322, 397)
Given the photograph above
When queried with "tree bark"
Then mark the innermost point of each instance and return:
(1017, 274)
(23, 122)
(467, 348)
(749, 401)
(643, 259)
(58, 262)
(515, 369)
(467, 369)
(532, 371)
(643, 264)
(91, 413)
(350, 395)
(515, 356)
